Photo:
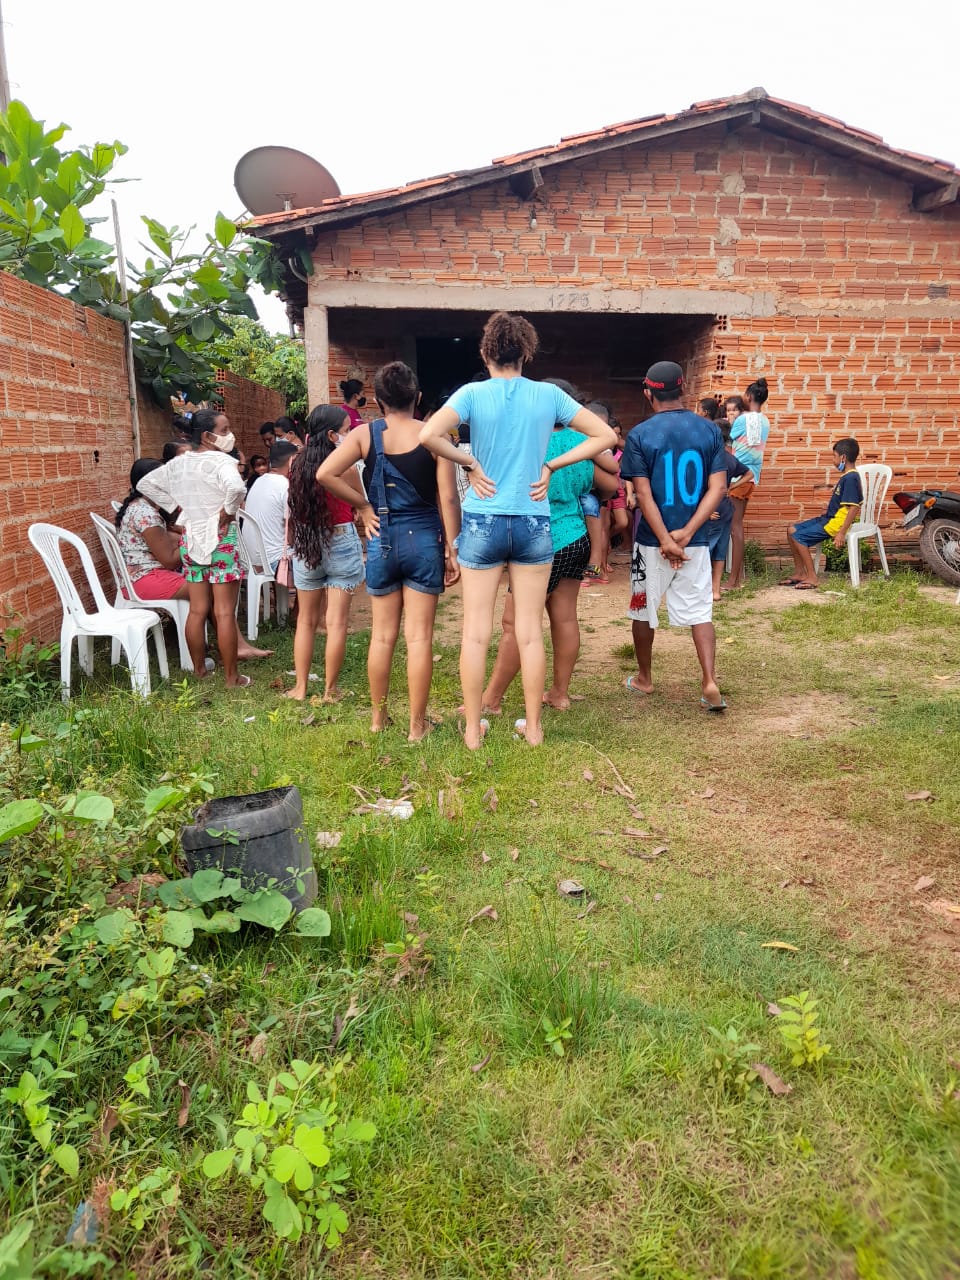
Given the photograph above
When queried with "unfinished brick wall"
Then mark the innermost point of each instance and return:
(248, 405)
(65, 436)
(66, 440)
(865, 290)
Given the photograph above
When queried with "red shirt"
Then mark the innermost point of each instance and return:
(340, 512)
(356, 417)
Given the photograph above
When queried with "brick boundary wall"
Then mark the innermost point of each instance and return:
(66, 443)
(66, 440)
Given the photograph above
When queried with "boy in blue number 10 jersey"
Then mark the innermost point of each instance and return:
(677, 463)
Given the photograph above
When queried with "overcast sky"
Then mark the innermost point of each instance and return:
(386, 92)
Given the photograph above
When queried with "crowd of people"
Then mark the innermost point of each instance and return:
(508, 473)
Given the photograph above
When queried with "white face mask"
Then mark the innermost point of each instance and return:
(225, 443)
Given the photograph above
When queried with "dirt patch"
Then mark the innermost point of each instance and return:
(808, 715)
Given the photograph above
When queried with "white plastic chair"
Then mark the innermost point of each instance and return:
(130, 627)
(129, 598)
(253, 553)
(875, 478)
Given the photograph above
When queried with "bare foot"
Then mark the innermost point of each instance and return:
(380, 723)
(488, 710)
(238, 682)
(716, 596)
(473, 742)
(420, 729)
(298, 695)
(559, 701)
(531, 734)
(246, 650)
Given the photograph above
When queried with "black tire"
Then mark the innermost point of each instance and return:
(940, 548)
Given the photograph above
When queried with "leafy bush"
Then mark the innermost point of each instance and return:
(28, 674)
(178, 300)
(288, 1145)
(754, 558)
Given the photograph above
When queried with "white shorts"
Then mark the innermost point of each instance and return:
(689, 589)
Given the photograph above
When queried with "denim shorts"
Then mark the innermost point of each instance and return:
(340, 568)
(718, 537)
(590, 504)
(414, 558)
(810, 533)
(488, 542)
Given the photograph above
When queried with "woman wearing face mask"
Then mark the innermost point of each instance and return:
(206, 485)
(353, 401)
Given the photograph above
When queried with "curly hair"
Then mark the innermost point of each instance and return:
(508, 339)
(758, 392)
(309, 508)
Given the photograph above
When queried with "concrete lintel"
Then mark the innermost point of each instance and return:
(559, 300)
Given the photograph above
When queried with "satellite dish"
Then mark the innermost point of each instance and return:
(278, 179)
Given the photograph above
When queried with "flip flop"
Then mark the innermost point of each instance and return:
(789, 582)
(714, 708)
(807, 586)
(628, 684)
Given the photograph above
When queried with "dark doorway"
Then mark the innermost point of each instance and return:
(443, 364)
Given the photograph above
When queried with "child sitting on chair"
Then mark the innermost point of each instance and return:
(842, 510)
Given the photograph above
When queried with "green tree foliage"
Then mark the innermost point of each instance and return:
(272, 359)
(179, 300)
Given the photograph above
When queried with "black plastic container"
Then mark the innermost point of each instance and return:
(260, 838)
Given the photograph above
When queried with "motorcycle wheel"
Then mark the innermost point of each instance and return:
(940, 548)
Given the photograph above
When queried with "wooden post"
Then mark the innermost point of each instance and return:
(128, 336)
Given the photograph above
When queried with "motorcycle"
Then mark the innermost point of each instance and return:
(936, 513)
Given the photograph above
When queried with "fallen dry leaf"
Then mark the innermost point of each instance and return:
(267, 970)
(478, 1066)
(340, 1022)
(514, 854)
(329, 839)
(254, 771)
(184, 1111)
(131, 890)
(919, 795)
(661, 848)
(485, 913)
(490, 799)
(587, 775)
(484, 857)
(635, 812)
(941, 907)
(108, 1122)
(706, 795)
(410, 919)
(581, 915)
(308, 719)
(774, 1010)
(636, 833)
(533, 804)
(779, 1088)
(780, 946)
(257, 1046)
(925, 882)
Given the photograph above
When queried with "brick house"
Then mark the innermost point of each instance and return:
(746, 235)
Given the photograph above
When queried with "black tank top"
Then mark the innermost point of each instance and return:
(419, 466)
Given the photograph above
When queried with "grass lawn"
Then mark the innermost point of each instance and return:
(539, 1068)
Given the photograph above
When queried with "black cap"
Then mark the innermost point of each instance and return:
(665, 377)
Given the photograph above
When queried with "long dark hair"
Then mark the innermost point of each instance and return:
(307, 500)
(142, 467)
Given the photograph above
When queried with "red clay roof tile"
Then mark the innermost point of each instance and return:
(625, 129)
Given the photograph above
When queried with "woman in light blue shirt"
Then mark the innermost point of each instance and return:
(506, 515)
